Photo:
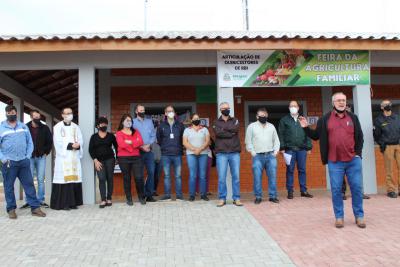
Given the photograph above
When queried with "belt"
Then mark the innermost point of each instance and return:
(265, 153)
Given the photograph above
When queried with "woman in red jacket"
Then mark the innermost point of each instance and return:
(129, 142)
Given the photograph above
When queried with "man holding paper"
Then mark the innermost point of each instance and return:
(294, 145)
(262, 142)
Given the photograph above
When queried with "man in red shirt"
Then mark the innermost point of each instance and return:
(341, 141)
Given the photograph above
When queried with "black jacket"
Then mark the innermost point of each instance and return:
(321, 133)
(227, 135)
(43, 143)
(291, 135)
(387, 130)
(170, 146)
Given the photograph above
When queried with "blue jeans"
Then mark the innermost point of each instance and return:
(268, 162)
(148, 162)
(38, 164)
(353, 170)
(22, 170)
(197, 165)
(176, 161)
(300, 157)
(233, 160)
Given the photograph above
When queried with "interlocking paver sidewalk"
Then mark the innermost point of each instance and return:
(158, 234)
(304, 229)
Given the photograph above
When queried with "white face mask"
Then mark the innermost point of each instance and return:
(69, 118)
(171, 115)
(127, 124)
(293, 110)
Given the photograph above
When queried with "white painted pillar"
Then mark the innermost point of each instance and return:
(105, 95)
(19, 104)
(48, 178)
(326, 107)
(226, 95)
(363, 109)
(87, 109)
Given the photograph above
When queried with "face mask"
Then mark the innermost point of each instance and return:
(262, 120)
(103, 128)
(11, 118)
(69, 118)
(36, 121)
(171, 115)
(141, 114)
(339, 111)
(225, 112)
(293, 110)
(127, 124)
(196, 122)
(387, 108)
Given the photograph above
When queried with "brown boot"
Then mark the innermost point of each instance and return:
(38, 212)
(221, 203)
(237, 202)
(339, 223)
(12, 214)
(360, 223)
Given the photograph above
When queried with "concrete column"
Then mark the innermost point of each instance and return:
(226, 95)
(326, 107)
(19, 104)
(49, 162)
(363, 109)
(87, 109)
(105, 95)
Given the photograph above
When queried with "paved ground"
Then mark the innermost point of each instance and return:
(304, 229)
(158, 234)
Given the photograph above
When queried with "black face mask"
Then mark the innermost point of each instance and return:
(387, 108)
(103, 128)
(141, 114)
(11, 118)
(339, 111)
(225, 112)
(196, 122)
(262, 120)
(36, 121)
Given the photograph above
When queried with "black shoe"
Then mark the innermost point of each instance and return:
(306, 194)
(180, 198)
(155, 194)
(275, 200)
(129, 202)
(257, 201)
(25, 206)
(151, 199)
(344, 197)
(109, 204)
(102, 206)
(66, 209)
(366, 197)
(392, 195)
(191, 198)
(142, 200)
(208, 194)
(290, 195)
(73, 207)
(205, 198)
(44, 205)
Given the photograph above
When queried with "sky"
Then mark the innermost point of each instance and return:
(77, 16)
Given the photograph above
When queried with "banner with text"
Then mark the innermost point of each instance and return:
(293, 68)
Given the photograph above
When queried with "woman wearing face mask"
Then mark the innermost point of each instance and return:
(101, 150)
(196, 139)
(129, 143)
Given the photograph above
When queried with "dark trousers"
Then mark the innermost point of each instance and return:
(127, 165)
(22, 170)
(148, 162)
(157, 174)
(106, 178)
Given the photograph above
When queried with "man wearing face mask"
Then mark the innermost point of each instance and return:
(66, 190)
(146, 128)
(262, 142)
(227, 149)
(294, 142)
(169, 137)
(341, 141)
(42, 145)
(387, 135)
(16, 149)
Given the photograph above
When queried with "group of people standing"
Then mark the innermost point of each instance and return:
(138, 145)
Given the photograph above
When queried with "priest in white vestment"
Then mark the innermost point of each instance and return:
(66, 191)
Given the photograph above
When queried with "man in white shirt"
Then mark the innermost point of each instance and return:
(262, 142)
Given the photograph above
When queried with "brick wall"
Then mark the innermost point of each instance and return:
(122, 97)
